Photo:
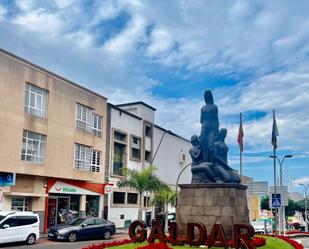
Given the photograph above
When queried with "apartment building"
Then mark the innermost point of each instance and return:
(134, 142)
(52, 135)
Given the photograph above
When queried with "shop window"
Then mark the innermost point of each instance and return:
(87, 120)
(135, 148)
(92, 206)
(36, 101)
(86, 158)
(33, 147)
(118, 198)
(20, 204)
(132, 198)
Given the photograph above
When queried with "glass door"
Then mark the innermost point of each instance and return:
(63, 208)
(52, 211)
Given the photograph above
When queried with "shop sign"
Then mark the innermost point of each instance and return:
(242, 234)
(108, 188)
(7, 179)
(65, 188)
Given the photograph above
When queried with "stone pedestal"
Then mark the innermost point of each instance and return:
(211, 204)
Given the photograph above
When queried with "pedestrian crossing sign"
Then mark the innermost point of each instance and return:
(275, 200)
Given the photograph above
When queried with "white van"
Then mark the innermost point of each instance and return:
(19, 226)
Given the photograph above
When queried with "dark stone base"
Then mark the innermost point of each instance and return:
(211, 204)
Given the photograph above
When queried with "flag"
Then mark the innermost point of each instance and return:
(274, 132)
(240, 135)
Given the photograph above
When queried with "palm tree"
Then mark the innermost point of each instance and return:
(165, 197)
(142, 181)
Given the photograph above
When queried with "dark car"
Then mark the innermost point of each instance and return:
(83, 228)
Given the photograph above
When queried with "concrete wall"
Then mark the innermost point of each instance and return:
(59, 126)
(168, 159)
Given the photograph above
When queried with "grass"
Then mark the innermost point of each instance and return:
(271, 243)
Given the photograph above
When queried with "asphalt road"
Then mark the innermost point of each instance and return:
(304, 241)
(47, 244)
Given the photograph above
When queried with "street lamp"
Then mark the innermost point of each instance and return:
(306, 215)
(282, 209)
(280, 163)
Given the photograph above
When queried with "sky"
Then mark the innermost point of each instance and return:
(253, 56)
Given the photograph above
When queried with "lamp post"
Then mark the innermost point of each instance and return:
(306, 215)
(282, 209)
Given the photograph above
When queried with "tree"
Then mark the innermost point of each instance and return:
(265, 203)
(142, 181)
(165, 197)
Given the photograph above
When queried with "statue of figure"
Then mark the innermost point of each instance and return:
(210, 124)
(196, 151)
(209, 151)
(201, 171)
(221, 170)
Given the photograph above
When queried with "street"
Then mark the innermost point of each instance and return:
(44, 243)
(304, 241)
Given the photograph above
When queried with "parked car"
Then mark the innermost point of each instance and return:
(83, 228)
(259, 226)
(19, 226)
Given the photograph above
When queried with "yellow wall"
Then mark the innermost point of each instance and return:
(59, 126)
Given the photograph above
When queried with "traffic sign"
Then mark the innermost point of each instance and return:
(283, 190)
(275, 200)
(7, 179)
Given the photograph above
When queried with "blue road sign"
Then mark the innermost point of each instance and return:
(7, 179)
(275, 200)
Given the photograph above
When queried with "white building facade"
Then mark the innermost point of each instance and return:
(134, 141)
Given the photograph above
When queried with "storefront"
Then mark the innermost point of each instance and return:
(79, 198)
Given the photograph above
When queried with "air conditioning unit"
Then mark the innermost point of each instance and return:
(182, 158)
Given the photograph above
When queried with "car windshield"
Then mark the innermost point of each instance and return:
(258, 223)
(76, 222)
(2, 217)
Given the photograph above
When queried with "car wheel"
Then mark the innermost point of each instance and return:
(31, 239)
(72, 237)
(107, 234)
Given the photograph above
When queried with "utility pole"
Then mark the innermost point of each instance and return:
(306, 214)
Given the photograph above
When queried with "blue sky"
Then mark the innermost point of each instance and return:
(253, 55)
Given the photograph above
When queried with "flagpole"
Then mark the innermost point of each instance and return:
(240, 151)
(275, 175)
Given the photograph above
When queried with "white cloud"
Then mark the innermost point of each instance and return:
(302, 180)
(127, 39)
(2, 12)
(160, 41)
(63, 3)
(40, 21)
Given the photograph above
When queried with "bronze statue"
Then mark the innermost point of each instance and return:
(209, 151)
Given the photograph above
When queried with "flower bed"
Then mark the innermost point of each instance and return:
(293, 243)
(108, 244)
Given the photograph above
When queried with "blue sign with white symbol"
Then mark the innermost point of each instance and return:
(276, 200)
(7, 179)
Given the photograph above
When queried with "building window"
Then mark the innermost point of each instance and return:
(88, 121)
(146, 201)
(95, 160)
(118, 197)
(132, 198)
(135, 148)
(87, 159)
(33, 149)
(97, 125)
(147, 156)
(148, 130)
(120, 154)
(20, 204)
(36, 101)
